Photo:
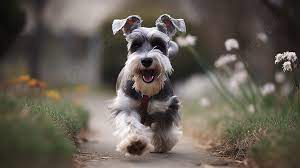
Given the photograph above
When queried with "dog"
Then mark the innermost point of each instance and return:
(145, 111)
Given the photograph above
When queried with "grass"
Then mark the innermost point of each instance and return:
(264, 125)
(38, 130)
(268, 137)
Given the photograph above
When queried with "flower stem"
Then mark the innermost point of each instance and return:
(218, 84)
(296, 83)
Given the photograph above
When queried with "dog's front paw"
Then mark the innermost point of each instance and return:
(135, 145)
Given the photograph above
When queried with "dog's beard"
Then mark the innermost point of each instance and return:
(148, 89)
(133, 71)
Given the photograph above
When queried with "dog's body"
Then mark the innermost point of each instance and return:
(145, 110)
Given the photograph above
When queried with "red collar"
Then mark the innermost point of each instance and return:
(144, 103)
(143, 109)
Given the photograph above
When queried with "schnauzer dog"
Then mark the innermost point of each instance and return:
(145, 111)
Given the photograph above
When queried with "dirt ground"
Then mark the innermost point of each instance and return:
(99, 150)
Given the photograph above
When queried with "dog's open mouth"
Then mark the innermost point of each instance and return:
(148, 75)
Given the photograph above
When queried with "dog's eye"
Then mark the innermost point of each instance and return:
(135, 46)
(160, 45)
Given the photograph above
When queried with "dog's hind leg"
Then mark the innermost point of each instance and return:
(135, 137)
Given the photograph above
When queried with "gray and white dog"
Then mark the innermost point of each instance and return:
(145, 111)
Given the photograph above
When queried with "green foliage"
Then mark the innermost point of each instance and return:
(269, 131)
(268, 136)
(34, 129)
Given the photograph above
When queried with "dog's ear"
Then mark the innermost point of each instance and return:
(127, 25)
(166, 24)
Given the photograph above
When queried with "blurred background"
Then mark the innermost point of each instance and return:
(53, 51)
(70, 41)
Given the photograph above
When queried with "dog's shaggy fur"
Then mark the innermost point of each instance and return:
(145, 111)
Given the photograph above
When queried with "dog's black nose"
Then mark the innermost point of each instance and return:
(147, 62)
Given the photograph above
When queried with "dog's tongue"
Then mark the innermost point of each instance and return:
(148, 78)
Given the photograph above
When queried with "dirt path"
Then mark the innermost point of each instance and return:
(99, 151)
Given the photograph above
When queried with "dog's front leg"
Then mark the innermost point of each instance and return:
(165, 126)
(135, 137)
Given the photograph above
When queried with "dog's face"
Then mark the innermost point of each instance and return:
(149, 51)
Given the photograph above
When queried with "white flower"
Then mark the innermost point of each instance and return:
(188, 40)
(278, 58)
(231, 44)
(291, 56)
(191, 40)
(279, 77)
(224, 60)
(286, 56)
(287, 66)
(289, 59)
(238, 78)
(205, 102)
(239, 66)
(262, 37)
(267, 89)
(251, 108)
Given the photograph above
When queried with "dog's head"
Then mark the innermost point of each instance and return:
(149, 51)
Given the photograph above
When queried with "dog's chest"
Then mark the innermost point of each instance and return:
(157, 106)
(146, 105)
(149, 108)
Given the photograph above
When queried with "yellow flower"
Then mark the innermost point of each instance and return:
(20, 79)
(81, 88)
(24, 78)
(32, 83)
(53, 94)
